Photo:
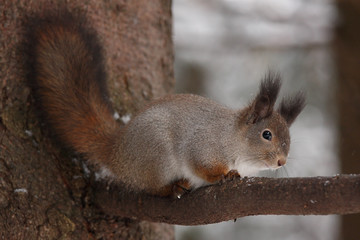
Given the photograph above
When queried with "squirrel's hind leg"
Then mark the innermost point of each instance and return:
(180, 187)
(231, 175)
(175, 189)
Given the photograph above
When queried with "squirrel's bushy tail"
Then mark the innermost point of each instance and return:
(69, 82)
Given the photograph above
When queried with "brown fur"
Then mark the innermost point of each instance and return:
(69, 81)
(212, 173)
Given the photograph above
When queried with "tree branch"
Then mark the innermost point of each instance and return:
(237, 198)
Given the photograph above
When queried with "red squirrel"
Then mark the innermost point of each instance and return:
(173, 145)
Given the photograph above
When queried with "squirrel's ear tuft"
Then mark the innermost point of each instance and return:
(263, 105)
(290, 107)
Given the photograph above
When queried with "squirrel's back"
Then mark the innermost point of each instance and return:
(69, 81)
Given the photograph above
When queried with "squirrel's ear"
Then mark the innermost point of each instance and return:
(290, 107)
(263, 104)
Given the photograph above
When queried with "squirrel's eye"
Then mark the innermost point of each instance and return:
(267, 135)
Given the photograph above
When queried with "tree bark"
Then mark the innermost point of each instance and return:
(347, 52)
(45, 191)
(238, 198)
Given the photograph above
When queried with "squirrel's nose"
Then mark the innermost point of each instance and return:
(281, 162)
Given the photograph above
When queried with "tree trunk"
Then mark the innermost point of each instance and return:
(347, 52)
(45, 191)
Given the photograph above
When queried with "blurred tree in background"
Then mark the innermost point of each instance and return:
(347, 57)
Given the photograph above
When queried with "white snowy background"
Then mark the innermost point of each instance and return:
(223, 48)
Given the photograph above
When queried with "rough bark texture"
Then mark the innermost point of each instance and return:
(347, 52)
(45, 192)
(239, 198)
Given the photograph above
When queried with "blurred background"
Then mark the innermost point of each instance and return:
(222, 50)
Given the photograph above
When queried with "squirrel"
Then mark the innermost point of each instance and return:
(175, 144)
